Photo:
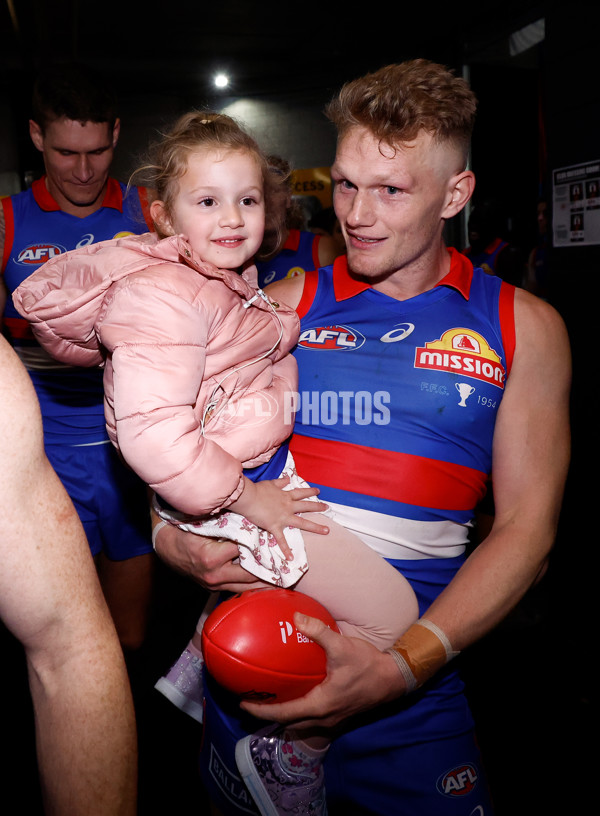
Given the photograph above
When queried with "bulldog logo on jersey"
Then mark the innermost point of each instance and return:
(331, 338)
(464, 352)
(37, 254)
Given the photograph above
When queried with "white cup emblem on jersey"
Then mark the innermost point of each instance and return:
(465, 390)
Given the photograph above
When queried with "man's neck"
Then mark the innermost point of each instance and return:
(79, 211)
(416, 278)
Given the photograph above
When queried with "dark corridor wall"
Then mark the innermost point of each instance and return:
(506, 144)
(572, 104)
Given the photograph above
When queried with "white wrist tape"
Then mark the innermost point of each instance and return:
(420, 652)
(409, 678)
(439, 633)
(156, 530)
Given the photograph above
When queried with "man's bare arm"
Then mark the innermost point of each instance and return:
(51, 600)
(530, 461)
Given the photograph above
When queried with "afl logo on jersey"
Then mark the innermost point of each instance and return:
(459, 781)
(37, 254)
(331, 338)
(464, 352)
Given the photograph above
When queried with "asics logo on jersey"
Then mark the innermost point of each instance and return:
(400, 332)
(331, 338)
(459, 781)
(36, 254)
(87, 240)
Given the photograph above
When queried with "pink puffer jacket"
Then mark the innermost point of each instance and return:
(176, 336)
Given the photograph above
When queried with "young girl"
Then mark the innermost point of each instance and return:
(199, 384)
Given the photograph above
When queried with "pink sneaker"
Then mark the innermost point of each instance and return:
(182, 685)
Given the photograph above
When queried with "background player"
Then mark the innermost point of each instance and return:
(301, 249)
(75, 127)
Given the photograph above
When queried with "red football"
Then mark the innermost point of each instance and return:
(252, 648)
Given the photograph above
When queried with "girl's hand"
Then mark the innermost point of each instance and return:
(272, 508)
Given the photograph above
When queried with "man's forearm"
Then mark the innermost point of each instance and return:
(489, 585)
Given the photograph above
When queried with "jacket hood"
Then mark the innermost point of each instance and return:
(63, 298)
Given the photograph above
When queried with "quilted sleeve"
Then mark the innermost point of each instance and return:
(157, 340)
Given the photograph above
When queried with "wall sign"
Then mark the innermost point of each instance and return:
(576, 205)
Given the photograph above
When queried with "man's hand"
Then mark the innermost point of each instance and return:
(210, 561)
(359, 677)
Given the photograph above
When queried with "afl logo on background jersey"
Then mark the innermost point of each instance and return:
(331, 338)
(464, 352)
(459, 781)
(39, 253)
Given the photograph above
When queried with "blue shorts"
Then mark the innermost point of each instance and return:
(112, 502)
(415, 757)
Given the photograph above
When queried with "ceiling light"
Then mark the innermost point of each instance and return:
(221, 80)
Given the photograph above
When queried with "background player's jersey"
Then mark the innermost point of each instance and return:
(487, 259)
(299, 254)
(410, 445)
(71, 398)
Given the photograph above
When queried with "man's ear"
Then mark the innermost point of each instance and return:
(460, 188)
(116, 132)
(158, 213)
(37, 137)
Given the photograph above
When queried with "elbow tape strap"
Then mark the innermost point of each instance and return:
(420, 652)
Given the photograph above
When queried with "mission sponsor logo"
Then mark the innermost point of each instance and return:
(464, 352)
(331, 338)
(459, 781)
(37, 254)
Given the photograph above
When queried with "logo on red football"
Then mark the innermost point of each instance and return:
(39, 253)
(459, 781)
(286, 629)
(331, 338)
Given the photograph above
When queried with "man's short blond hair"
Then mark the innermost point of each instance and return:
(398, 101)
